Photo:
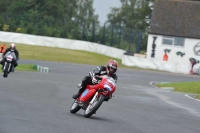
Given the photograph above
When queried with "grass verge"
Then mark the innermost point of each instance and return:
(24, 67)
(186, 87)
(63, 55)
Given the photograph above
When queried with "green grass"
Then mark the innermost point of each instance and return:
(186, 87)
(24, 67)
(63, 55)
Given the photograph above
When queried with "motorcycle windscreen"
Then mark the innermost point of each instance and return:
(87, 94)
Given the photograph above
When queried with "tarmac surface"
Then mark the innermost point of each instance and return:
(34, 102)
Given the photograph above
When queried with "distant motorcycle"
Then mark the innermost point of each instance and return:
(94, 95)
(8, 65)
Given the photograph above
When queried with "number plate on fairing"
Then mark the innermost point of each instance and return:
(9, 58)
(84, 93)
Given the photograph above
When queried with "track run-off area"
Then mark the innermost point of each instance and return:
(34, 102)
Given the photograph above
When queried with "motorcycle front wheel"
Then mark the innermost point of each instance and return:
(93, 107)
(75, 107)
(5, 73)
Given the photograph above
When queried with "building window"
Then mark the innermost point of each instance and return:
(176, 41)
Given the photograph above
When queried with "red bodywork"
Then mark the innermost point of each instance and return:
(90, 90)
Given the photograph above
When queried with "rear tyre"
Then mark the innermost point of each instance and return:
(91, 109)
(75, 107)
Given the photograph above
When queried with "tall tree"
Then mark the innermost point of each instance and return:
(86, 17)
(61, 18)
(132, 16)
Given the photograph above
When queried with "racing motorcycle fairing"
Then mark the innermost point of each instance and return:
(87, 94)
(93, 96)
(104, 87)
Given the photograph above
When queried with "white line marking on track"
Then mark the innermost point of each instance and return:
(192, 98)
(151, 83)
(167, 100)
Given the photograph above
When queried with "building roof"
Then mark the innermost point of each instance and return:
(176, 18)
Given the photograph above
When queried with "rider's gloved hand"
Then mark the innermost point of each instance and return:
(94, 80)
(91, 74)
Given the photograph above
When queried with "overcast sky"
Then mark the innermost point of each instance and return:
(102, 8)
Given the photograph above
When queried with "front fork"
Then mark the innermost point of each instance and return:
(4, 67)
(94, 97)
(9, 68)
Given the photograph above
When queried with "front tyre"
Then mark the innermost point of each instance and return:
(75, 107)
(5, 74)
(93, 107)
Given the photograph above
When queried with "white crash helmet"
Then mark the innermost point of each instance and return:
(12, 46)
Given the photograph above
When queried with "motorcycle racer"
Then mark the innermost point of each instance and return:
(109, 69)
(12, 48)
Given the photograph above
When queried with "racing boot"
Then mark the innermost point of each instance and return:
(13, 69)
(81, 89)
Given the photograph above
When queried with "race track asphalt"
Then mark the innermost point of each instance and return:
(34, 102)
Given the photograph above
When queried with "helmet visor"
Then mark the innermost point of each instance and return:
(12, 49)
(112, 70)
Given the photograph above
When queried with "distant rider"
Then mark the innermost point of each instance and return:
(12, 48)
(109, 69)
(2, 48)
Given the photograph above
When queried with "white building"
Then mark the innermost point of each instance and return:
(175, 29)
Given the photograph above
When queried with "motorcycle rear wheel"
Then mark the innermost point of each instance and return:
(91, 109)
(75, 107)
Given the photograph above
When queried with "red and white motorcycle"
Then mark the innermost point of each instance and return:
(94, 95)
